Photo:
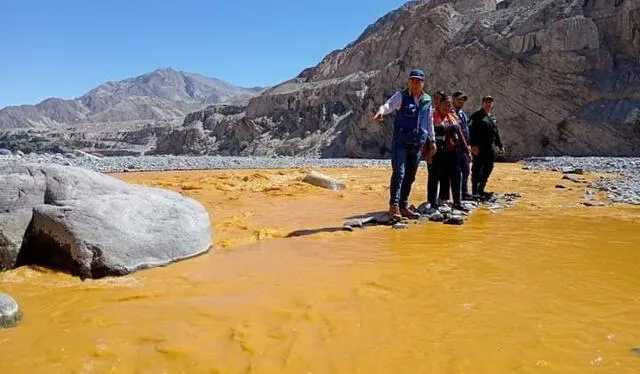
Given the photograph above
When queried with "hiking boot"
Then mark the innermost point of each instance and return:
(394, 212)
(408, 213)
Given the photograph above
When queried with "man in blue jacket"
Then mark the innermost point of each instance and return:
(413, 127)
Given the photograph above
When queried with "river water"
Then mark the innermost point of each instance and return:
(545, 287)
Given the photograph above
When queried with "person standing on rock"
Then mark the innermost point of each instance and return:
(484, 135)
(413, 128)
(444, 168)
(459, 99)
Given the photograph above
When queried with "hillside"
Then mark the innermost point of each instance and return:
(565, 75)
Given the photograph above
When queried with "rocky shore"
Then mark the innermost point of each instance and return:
(621, 186)
(118, 164)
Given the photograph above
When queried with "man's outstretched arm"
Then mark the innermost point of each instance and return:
(393, 104)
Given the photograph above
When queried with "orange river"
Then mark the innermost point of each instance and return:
(545, 287)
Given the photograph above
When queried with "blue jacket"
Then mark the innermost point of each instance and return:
(412, 120)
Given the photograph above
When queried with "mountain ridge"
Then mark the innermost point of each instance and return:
(565, 75)
(162, 94)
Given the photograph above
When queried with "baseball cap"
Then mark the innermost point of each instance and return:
(417, 73)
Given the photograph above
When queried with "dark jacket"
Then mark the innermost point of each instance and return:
(483, 132)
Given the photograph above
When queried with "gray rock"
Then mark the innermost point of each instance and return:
(400, 226)
(382, 218)
(574, 178)
(592, 203)
(453, 220)
(444, 209)
(320, 180)
(424, 209)
(5, 152)
(93, 225)
(513, 195)
(560, 186)
(10, 314)
(436, 217)
(571, 170)
(354, 222)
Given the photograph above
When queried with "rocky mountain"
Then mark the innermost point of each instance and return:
(113, 115)
(565, 75)
(163, 94)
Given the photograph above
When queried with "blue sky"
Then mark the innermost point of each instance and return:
(64, 48)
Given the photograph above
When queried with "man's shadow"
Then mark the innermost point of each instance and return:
(352, 222)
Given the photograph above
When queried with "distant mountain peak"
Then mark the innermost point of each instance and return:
(164, 93)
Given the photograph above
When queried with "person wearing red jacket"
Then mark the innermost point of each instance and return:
(445, 163)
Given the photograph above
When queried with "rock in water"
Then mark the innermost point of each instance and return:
(10, 314)
(93, 225)
(399, 226)
(574, 178)
(354, 222)
(636, 350)
(321, 180)
(453, 220)
(570, 170)
(592, 203)
(436, 217)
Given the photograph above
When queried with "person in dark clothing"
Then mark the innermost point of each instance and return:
(412, 129)
(444, 166)
(459, 99)
(484, 135)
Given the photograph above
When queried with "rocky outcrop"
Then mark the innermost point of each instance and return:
(565, 75)
(93, 225)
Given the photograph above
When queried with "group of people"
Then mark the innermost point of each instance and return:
(452, 143)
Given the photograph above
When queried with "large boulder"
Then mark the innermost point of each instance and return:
(93, 225)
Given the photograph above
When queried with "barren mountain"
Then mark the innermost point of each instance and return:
(164, 94)
(565, 75)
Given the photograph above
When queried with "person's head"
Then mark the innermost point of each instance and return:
(487, 103)
(416, 81)
(459, 98)
(445, 105)
(436, 98)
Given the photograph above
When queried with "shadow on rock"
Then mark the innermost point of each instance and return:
(293, 234)
(360, 220)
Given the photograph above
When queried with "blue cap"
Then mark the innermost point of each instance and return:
(417, 73)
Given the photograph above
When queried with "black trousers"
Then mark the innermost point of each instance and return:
(445, 171)
(481, 171)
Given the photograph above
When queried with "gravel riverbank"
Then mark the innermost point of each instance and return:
(164, 162)
(623, 187)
